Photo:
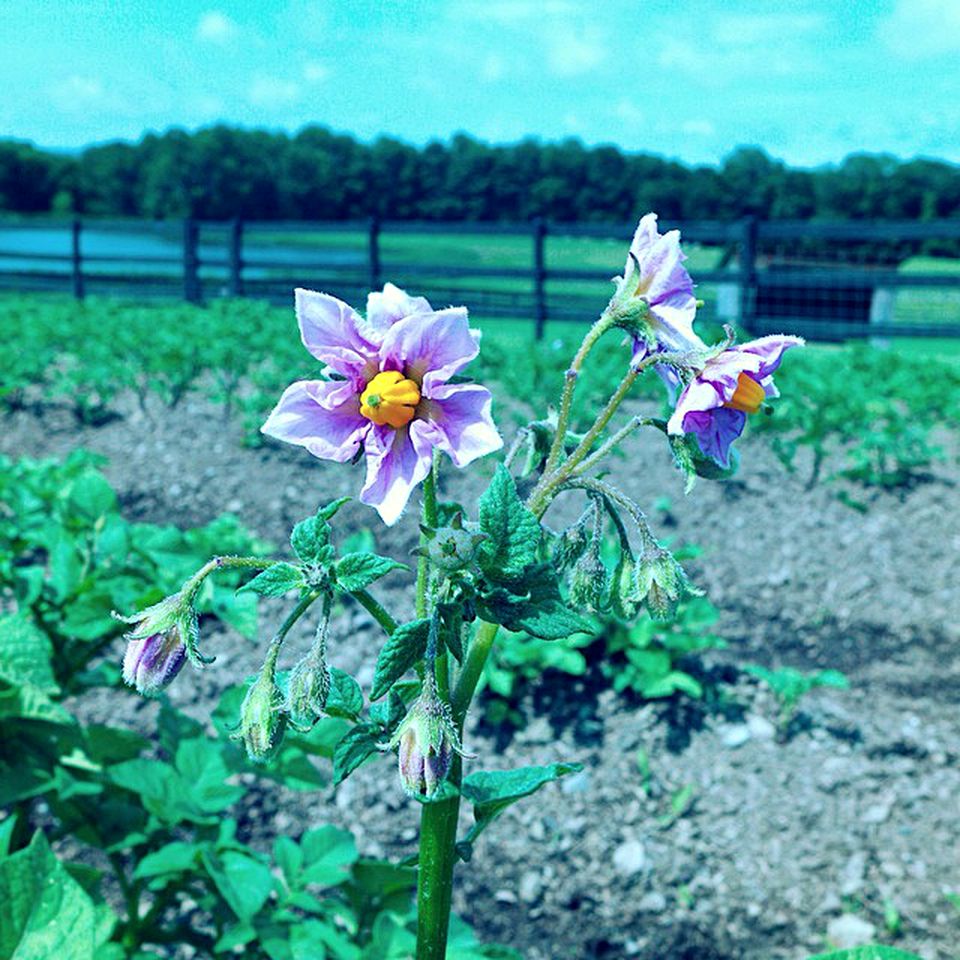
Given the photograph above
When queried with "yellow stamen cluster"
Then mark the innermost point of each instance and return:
(749, 395)
(390, 399)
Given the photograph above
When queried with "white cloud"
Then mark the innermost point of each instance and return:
(77, 93)
(917, 29)
(493, 68)
(572, 52)
(267, 91)
(315, 71)
(698, 128)
(215, 26)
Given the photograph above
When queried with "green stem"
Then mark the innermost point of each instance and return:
(570, 384)
(374, 608)
(429, 520)
(438, 856)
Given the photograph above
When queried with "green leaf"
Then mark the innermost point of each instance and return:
(310, 540)
(328, 511)
(243, 882)
(345, 698)
(492, 791)
(237, 610)
(276, 580)
(328, 853)
(91, 497)
(355, 571)
(532, 604)
(175, 857)
(867, 953)
(356, 746)
(26, 655)
(404, 647)
(513, 532)
(44, 912)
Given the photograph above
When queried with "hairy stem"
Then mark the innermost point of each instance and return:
(375, 609)
(429, 520)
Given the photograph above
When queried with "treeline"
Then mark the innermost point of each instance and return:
(221, 172)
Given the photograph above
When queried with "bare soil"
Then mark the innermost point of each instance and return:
(857, 813)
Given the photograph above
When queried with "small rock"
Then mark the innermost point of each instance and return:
(630, 858)
(760, 728)
(850, 931)
(653, 902)
(505, 896)
(876, 813)
(734, 735)
(853, 874)
(578, 783)
(530, 887)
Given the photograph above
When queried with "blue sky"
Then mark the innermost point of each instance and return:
(810, 80)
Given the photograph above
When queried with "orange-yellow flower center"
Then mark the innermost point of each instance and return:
(390, 400)
(749, 395)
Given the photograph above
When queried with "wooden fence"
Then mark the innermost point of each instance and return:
(825, 280)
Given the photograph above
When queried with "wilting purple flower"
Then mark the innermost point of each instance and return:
(150, 663)
(714, 404)
(394, 401)
(655, 274)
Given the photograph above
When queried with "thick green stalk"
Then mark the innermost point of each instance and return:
(375, 609)
(429, 520)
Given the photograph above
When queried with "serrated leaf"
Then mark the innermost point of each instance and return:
(404, 647)
(276, 580)
(354, 748)
(492, 791)
(513, 532)
(356, 571)
(345, 698)
(26, 655)
(310, 540)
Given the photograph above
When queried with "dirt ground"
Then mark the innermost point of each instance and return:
(856, 814)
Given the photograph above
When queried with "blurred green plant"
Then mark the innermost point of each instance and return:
(790, 686)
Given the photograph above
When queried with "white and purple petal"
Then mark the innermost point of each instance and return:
(462, 422)
(430, 348)
(397, 460)
(385, 307)
(323, 417)
(770, 350)
(715, 431)
(336, 335)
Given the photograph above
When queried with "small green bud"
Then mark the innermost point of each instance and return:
(662, 582)
(308, 687)
(623, 587)
(572, 543)
(262, 721)
(455, 547)
(588, 583)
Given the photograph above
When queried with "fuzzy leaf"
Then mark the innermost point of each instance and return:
(345, 698)
(492, 791)
(404, 647)
(355, 571)
(328, 511)
(310, 540)
(276, 580)
(513, 532)
(354, 748)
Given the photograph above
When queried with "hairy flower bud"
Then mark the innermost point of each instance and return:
(574, 540)
(308, 687)
(158, 643)
(623, 587)
(262, 720)
(151, 663)
(427, 740)
(588, 583)
(662, 582)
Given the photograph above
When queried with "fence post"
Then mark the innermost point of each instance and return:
(539, 277)
(235, 284)
(748, 270)
(373, 251)
(76, 262)
(191, 262)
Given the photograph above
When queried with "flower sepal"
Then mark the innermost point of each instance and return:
(662, 583)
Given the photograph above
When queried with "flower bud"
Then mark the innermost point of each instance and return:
(152, 662)
(623, 587)
(427, 740)
(573, 541)
(454, 547)
(588, 583)
(662, 582)
(262, 721)
(308, 687)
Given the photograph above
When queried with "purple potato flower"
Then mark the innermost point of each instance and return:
(393, 399)
(655, 274)
(714, 405)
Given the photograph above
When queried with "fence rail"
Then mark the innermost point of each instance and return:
(824, 280)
